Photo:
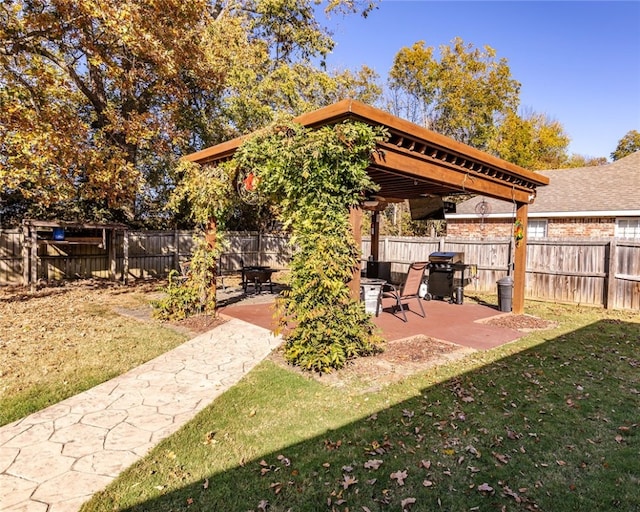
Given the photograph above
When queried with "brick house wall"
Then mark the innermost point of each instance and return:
(479, 229)
(556, 228)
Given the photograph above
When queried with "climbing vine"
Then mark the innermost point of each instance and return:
(315, 176)
(208, 194)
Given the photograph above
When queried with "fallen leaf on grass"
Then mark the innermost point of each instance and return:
(330, 445)
(406, 503)
(263, 505)
(348, 481)
(485, 487)
(426, 464)
(372, 464)
(205, 485)
(399, 477)
(512, 494)
(427, 483)
(284, 460)
(276, 487)
(471, 449)
(504, 459)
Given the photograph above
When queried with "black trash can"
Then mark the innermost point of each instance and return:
(505, 293)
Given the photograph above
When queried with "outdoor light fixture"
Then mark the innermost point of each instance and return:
(370, 202)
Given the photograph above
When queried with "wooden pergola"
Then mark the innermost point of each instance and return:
(416, 163)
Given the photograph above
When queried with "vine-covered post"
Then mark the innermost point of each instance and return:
(208, 194)
(355, 219)
(317, 178)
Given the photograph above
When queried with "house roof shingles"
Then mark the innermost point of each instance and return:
(613, 187)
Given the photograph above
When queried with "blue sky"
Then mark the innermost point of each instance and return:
(578, 61)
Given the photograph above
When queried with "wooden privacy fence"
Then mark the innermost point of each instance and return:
(581, 271)
(592, 272)
(151, 254)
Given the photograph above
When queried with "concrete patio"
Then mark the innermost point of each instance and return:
(463, 324)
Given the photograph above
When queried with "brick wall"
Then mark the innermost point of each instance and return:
(585, 227)
(479, 228)
(556, 228)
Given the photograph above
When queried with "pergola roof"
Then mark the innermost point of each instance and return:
(414, 162)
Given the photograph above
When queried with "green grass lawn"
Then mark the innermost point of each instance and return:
(549, 423)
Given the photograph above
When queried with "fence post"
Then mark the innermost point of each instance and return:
(611, 276)
(125, 256)
(176, 250)
(34, 258)
(25, 254)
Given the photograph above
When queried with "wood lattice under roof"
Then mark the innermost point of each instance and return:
(415, 162)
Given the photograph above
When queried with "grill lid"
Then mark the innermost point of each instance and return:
(446, 257)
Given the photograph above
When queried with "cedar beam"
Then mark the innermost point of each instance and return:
(464, 180)
(520, 262)
(355, 219)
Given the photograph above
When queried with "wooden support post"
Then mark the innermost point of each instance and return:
(375, 235)
(520, 261)
(355, 219)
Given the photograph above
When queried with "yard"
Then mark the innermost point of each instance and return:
(64, 339)
(549, 422)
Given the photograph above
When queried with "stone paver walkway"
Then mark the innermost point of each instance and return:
(56, 459)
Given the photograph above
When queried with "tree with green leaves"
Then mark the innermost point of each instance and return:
(98, 99)
(462, 93)
(533, 141)
(577, 160)
(628, 144)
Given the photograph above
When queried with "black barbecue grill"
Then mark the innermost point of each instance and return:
(448, 275)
